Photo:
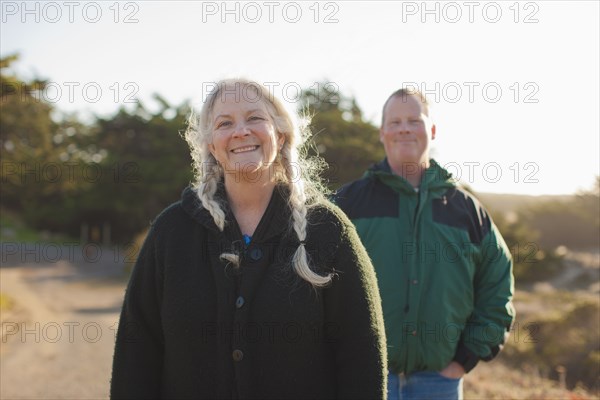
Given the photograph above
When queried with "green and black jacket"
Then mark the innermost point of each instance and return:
(444, 271)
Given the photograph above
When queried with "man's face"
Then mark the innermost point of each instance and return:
(406, 132)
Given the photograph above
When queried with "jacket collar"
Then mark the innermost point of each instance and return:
(275, 219)
(434, 177)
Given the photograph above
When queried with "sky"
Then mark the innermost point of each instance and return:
(514, 85)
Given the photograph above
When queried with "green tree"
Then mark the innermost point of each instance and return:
(145, 168)
(347, 142)
(58, 172)
(30, 143)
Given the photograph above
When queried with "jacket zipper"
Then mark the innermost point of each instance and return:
(415, 235)
(406, 305)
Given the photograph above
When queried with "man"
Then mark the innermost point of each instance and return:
(444, 271)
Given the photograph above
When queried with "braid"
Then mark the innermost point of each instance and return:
(299, 210)
(207, 171)
(206, 192)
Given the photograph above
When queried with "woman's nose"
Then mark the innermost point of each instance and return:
(240, 130)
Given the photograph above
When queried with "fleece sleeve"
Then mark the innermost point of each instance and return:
(354, 314)
(138, 356)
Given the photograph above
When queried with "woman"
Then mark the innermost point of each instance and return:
(253, 286)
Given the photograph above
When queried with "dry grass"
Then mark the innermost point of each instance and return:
(494, 380)
(6, 303)
(564, 313)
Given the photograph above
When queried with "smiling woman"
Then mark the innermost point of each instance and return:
(253, 285)
(253, 144)
(244, 138)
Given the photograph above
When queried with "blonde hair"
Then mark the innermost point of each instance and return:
(291, 168)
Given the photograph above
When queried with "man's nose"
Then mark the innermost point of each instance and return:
(403, 127)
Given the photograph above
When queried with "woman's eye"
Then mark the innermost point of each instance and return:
(223, 124)
(255, 118)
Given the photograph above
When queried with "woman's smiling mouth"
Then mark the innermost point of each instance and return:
(244, 149)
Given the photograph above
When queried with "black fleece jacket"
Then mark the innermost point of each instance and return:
(194, 327)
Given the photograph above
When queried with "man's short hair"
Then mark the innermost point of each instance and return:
(404, 93)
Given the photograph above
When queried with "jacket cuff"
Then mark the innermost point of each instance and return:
(465, 357)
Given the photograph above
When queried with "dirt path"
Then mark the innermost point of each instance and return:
(57, 342)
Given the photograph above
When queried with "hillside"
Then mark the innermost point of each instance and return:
(503, 203)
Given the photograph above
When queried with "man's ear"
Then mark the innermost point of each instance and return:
(432, 131)
(381, 134)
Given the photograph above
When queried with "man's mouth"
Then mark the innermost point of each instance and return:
(244, 149)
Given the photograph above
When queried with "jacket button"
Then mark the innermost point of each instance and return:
(414, 282)
(414, 333)
(238, 355)
(256, 254)
(239, 303)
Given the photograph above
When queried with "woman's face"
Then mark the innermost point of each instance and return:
(244, 139)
